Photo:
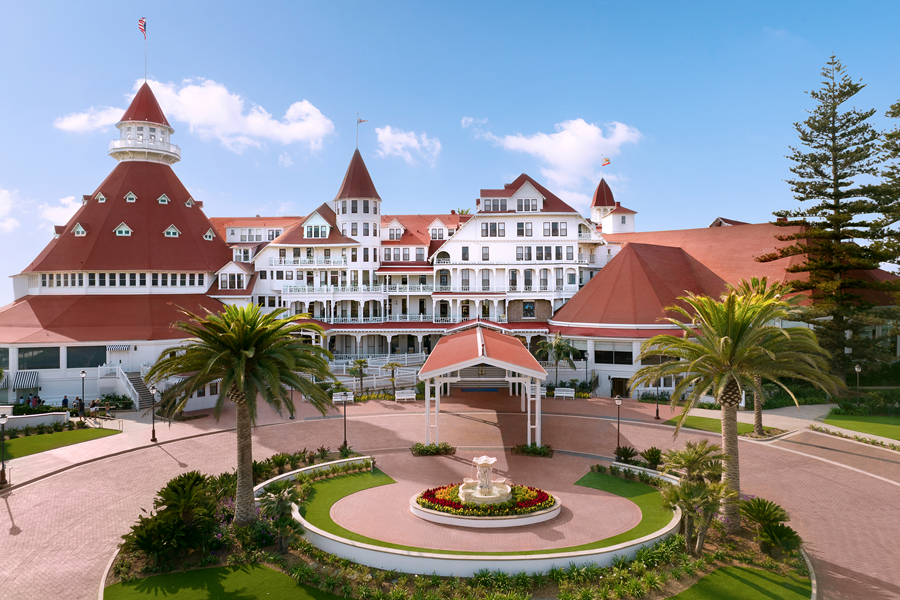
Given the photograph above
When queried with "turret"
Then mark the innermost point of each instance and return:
(602, 203)
(144, 132)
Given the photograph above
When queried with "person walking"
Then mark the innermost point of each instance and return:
(80, 403)
(65, 402)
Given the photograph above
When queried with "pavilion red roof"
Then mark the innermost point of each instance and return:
(478, 345)
(603, 196)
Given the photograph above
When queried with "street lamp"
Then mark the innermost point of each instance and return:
(83, 374)
(3, 419)
(345, 421)
(657, 400)
(618, 412)
(857, 368)
(152, 390)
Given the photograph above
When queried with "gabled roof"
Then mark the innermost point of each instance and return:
(723, 222)
(636, 285)
(223, 223)
(603, 196)
(144, 107)
(551, 202)
(146, 249)
(621, 210)
(416, 228)
(295, 235)
(480, 345)
(93, 318)
(357, 182)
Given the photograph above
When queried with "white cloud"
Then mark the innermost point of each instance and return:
(7, 202)
(92, 119)
(285, 160)
(211, 111)
(396, 142)
(469, 121)
(59, 214)
(572, 155)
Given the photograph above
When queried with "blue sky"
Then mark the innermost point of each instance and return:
(692, 102)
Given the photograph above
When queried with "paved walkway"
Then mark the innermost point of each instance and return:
(59, 532)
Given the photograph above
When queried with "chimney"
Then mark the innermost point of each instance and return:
(452, 211)
(781, 219)
(477, 203)
(618, 204)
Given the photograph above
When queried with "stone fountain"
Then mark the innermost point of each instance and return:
(484, 489)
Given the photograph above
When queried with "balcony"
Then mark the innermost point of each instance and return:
(339, 261)
(333, 289)
(125, 147)
(409, 289)
(586, 259)
(587, 237)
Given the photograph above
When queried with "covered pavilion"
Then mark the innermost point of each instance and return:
(467, 357)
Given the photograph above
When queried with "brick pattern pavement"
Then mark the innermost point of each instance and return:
(59, 533)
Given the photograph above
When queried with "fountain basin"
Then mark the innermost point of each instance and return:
(483, 522)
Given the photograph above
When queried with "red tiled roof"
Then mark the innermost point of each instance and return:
(54, 319)
(727, 222)
(610, 333)
(621, 210)
(144, 107)
(357, 181)
(214, 291)
(294, 235)
(551, 202)
(223, 223)
(603, 196)
(480, 344)
(146, 249)
(416, 228)
(407, 267)
(59, 229)
(637, 285)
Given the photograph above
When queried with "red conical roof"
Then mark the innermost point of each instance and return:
(357, 182)
(144, 107)
(603, 196)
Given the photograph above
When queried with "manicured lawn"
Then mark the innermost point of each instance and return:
(888, 427)
(743, 583)
(225, 583)
(317, 509)
(707, 424)
(23, 446)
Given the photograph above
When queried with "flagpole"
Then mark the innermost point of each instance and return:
(145, 58)
(357, 131)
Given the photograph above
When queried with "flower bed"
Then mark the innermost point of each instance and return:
(525, 500)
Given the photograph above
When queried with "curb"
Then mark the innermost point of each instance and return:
(106, 574)
(812, 576)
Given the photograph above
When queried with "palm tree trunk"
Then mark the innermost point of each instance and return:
(732, 473)
(244, 507)
(688, 533)
(757, 411)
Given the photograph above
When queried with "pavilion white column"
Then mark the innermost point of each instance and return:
(537, 403)
(437, 410)
(358, 344)
(528, 414)
(427, 411)
(419, 338)
(495, 314)
(523, 396)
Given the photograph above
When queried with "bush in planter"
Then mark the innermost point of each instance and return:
(56, 426)
(80, 425)
(625, 454)
(27, 430)
(545, 450)
(322, 452)
(762, 512)
(70, 425)
(12, 433)
(653, 456)
(279, 462)
(419, 449)
(778, 535)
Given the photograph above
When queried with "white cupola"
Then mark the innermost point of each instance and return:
(144, 132)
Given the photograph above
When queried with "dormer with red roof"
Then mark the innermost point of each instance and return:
(618, 220)
(522, 195)
(144, 132)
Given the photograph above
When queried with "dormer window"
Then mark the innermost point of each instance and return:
(208, 236)
(316, 231)
(172, 231)
(190, 203)
(100, 197)
(123, 230)
(78, 230)
(163, 199)
(130, 197)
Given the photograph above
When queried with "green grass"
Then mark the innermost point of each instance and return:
(221, 583)
(888, 427)
(707, 424)
(23, 446)
(317, 509)
(743, 583)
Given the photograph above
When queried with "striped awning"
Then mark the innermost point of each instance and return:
(118, 347)
(25, 380)
(4, 384)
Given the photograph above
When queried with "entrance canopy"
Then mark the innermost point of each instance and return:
(450, 362)
(481, 346)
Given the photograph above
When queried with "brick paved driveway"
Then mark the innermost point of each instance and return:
(59, 533)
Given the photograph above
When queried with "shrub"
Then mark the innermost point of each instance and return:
(762, 512)
(27, 430)
(419, 449)
(56, 426)
(322, 452)
(545, 450)
(80, 425)
(625, 453)
(653, 456)
(778, 535)
(117, 401)
(279, 461)
(12, 433)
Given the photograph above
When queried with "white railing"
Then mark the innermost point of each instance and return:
(408, 289)
(490, 263)
(586, 259)
(115, 371)
(145, 145)
(586, 236)
(442, 261)
(296, 262)
(333, 289)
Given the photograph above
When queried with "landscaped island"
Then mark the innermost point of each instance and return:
(524, 500)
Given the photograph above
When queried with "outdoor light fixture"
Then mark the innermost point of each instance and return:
(152, 390)
(618, 411)
(3, 419)
(657, 401)
(857, 368)
(83, 374)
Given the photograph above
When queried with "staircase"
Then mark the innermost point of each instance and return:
(146, 398)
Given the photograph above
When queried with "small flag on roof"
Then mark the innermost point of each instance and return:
(358, 121)
(142, 25)
(605, 162)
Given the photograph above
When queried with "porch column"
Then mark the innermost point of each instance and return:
(419, 338)
(522, 390)
(495, 314)
(528, 337)
(528, 414)
(537, 420)
(358, 343)
(428, 411)
(437, 409)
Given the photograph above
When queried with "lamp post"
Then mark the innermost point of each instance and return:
(292, 402)
(345, 420)
(657, 401)
(83, 374)
(618, 412)
(857, 368)
(152, 390)
(3, 419)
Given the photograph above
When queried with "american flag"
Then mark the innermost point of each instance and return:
(142, 25)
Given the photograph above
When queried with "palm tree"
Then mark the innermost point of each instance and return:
(463, 211)
(255, 355)
(393, 366)
(278, 503)
(728, 345)
(556, 350)
(359, 370)
(772, 291)
(697, 462)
